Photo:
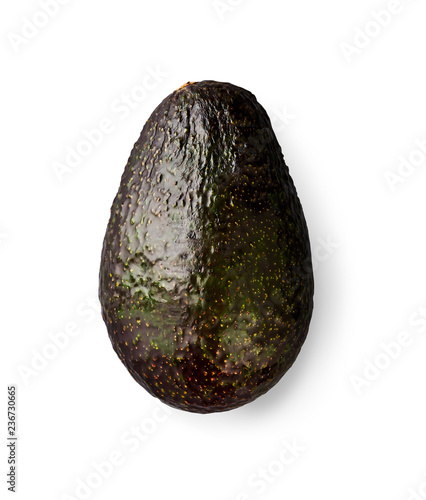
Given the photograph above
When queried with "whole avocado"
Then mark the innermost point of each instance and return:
(206, 280)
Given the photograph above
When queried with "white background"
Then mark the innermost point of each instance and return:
(344, 122)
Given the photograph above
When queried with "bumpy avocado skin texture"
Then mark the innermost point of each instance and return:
(206, 280)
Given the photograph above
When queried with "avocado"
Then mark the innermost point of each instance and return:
(206, 282)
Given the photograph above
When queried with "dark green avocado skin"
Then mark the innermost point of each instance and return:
(206, 281)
